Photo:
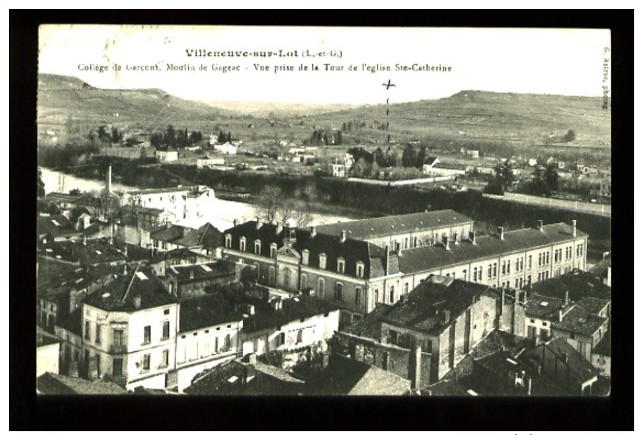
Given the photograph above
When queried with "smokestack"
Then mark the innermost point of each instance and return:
(540, 225)
(501, 233)
(343, 237)
(235, 222)
(125, 270)
(472, 237)
(574, 227)
(259, 222)
(313, 231)
(109, 179)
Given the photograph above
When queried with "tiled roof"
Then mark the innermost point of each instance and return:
(397, 224)
(168, 234)
(604, 347)
(207, 236)
(55, 225)
(579, 284)
(92, 252)
(435, 256)
(53, 383)
(593, 305)
(202, 270)
(120, 294)
(543, 307)
(81, 278)
(371, 325)
(206, 310)
(345, 376)
(575, 361)
(580, 320)
(423, 306)
(61, 197)
(292, 309)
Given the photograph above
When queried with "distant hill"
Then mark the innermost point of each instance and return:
(520, 118)
(278, 110)
(67, 100)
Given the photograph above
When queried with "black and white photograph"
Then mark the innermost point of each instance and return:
(317, 211)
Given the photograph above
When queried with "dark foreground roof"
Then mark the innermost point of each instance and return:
(53, 383)
(292, 309)
(397, 224)
(579, 284)
(604, 347)
(201, 271)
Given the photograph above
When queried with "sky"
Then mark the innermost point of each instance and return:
(541, 61)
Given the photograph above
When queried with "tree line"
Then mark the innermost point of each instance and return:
(174, 138)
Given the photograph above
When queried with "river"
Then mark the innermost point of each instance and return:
(227, 211)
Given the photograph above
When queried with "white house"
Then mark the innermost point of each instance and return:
(226, 148)
(209, 162)
(170, 155)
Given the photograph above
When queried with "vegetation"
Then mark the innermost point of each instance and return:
(174, 138)
(40, 185)
(503, 179)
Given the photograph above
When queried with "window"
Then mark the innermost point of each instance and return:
(242, 244)
(540, 259)
(480, 274)
(304, 281)
(226, 343)
(216, 344)
(320, 287)
(508, 266)
(147, 334)
(547, 258)
(528, 279)
(281, 339)
(529, 262)
(166, 311)
(97, 333)
(489, 269)
(305, 256)
(273, 250)
(322, 261)
(146, 362)
(504, 267)
(339, 292)
(341, 265)
(165, 358)
(271, 276)
(406, 288)
(495, 270)
(475, 274)
(166, 330)
(358, 296)
(406, 243)
(391, 295)
(257, 247)
(87, 326)
(228, 241)
(360, 269)
(118, 337)
(117, 367)
(300, 336)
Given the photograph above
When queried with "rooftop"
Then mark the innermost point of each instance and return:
(168, 234)
(423, 307)
(44, 338)
(604, 347)
(201, 271)
(575, 361)
(543, 307)
(434, 256)
(397, 224)
(53, 383)
(297, 308)
(581, 320)
(122, 293)
(206, 310)
(579, 284)
(206, 236)
(55, 225)
(86, 253)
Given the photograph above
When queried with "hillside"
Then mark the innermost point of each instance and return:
(67, 100)
(518, 118)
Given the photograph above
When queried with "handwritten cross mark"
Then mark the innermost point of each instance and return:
(388, 85)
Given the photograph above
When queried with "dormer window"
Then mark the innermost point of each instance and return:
(228, 241)
(257, 247)
(360, 269)
(242, 244)
(322, 261)
(305, 255)
(273, 250)
(341, 265)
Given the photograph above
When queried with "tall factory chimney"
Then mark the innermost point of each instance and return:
(109, 179)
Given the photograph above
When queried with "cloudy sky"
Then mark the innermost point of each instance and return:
(543, 61)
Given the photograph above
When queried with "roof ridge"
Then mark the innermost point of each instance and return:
(130, 284)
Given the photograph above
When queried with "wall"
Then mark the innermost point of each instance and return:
(602, 363)
(208, 343)
(47, 359)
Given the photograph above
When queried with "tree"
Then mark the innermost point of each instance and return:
(269, 203)
(545, 180)
(40, 184)
(503, 180)
(170, 136)
(421, 158)
(570, 136)
(551, 178)
(409, 156)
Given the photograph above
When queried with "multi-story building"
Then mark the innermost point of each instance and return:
(432, 328)
(129, 331)
(357, 274)
(185, 202)
(541, 312)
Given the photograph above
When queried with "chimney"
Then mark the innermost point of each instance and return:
(416, 377)
(277, 304)
(540, 225)
(398, 248)
(125, 270)
(280, 227)
(566, 298)
(384, 338)
(608, 279)
(109, 179)
(313, 232)
(191, 273)
(472, 237)
(560, 315)
(86, 221)
(252, 358)
(235, 222)
(137, 302)
(446, 316)
(84, 239)
(501, 233)
(563, 357)
(343, 237)
(259, 222)
(324, 359)
(386, 261)
(574, 227)
(249, 309)
(529, 387)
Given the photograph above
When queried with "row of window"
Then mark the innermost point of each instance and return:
(199, 349)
